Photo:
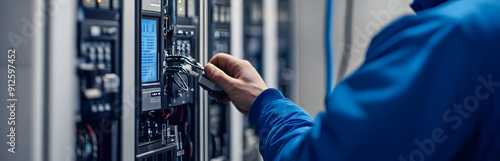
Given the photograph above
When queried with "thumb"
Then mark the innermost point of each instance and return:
(218, 76)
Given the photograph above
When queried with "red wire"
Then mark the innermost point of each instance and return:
(92, 133)
(166, 116)
(90, 129)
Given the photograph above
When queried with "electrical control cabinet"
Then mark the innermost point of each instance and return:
(219, 38)
(99, 76)
(253, 33)
(285, 51)
(219, 26)
(253, 46)
(167, 68)
(118, 80)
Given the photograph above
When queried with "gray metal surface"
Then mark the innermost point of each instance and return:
(203, 146)
(62, 86)
(128, 83)
(148, 102)
(22, 30)
(151, 5)
(235, 117)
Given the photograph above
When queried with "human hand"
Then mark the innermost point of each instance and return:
(238, 78)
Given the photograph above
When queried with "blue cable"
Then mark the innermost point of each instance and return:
(328, 48)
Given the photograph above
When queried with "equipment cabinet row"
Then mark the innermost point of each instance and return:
(173, 118)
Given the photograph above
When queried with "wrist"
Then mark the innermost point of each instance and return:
(262, 102)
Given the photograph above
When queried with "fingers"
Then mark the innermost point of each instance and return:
(218, 76)
(238, 78)
(227, 63)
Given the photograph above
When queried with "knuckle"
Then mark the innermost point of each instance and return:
(247, 63)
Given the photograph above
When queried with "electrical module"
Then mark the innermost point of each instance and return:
(166, 126)
(99, 79)
(219, 38)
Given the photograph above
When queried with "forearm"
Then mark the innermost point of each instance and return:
(279, 121)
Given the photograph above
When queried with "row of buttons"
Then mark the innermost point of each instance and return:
(221, 14)
(101, 4)
(183, 47)
(95, 55)
(221, 34)
(182, 32)
(100, 107)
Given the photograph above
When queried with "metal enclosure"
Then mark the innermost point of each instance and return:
(80, 89)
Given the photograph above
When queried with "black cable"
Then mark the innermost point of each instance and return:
(186, 87)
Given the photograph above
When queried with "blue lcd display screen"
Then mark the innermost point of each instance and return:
(149, 48)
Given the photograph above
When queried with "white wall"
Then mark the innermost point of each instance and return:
(309, 22)
(368, 17)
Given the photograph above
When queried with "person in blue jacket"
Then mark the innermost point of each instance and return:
(429, 89)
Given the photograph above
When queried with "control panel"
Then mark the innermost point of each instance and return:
(99, 73)
(285, 52)
(124, 80)
(253, 33)
(166, 125)
(219, 38)
(253, 52)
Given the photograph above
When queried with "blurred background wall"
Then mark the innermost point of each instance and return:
(355, 23)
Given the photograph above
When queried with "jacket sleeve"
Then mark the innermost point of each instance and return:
(396, 106)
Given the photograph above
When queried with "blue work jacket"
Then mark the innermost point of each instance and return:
(429, 89)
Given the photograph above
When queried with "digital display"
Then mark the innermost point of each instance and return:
(149, 49)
